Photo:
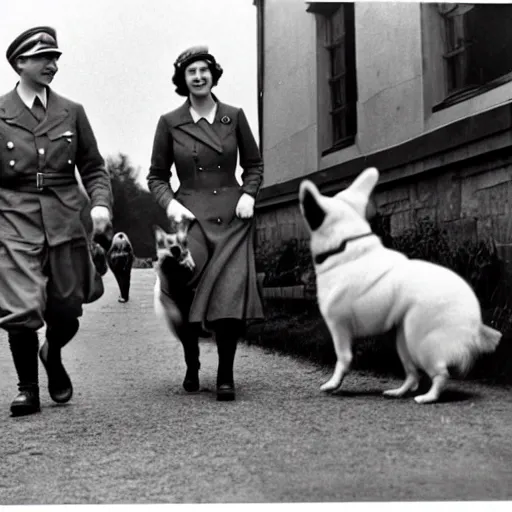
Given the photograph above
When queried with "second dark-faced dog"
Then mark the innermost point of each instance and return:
(174, 270)
(120, 261)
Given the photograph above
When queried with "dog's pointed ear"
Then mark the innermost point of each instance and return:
(365, 182)
(311, 209)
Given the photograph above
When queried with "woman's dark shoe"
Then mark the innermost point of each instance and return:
(225, 392)
(27, 402)
(191, 382)
(59, 383)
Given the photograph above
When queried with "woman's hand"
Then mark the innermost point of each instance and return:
(176, 211)
(245, 206)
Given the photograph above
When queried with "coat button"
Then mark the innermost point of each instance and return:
(11, 163)
(219, 221)
(200, 168)
(41, 151)
(70, 162)
(214, 192)
(10, 144)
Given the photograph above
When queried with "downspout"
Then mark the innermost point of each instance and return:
(261, 64)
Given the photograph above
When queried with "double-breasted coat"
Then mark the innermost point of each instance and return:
(205, 157)
(45, 263)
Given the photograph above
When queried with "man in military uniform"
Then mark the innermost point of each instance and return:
(46, 270)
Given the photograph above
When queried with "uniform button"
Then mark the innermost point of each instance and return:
(218, 166)
(200, 168)
(41, 151)
(10, 144)
(70, 162)
(219, 221)
(214, 192)
(11, 163)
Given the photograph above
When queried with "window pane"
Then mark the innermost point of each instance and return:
(338, 93)
(338, 64)
(484, 38)
(338, 25)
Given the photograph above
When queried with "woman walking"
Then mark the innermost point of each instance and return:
(202, 139)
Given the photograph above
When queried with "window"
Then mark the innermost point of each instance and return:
(477, 50)
(336, 45)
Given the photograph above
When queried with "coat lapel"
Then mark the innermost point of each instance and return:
(202, 132)
(14, 112)
(56, 112)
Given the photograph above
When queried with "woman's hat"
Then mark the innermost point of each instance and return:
(191, 55)
(33, 41)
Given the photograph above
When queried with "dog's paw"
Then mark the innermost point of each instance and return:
(188, 262)
(394, 393)
(425, 399)
(329, 386)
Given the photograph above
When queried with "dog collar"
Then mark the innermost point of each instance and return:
(320, 258)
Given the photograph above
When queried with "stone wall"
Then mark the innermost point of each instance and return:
(472, 202)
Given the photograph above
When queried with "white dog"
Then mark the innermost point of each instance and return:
(365, 289)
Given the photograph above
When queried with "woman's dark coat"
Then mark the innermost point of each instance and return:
(205, 157)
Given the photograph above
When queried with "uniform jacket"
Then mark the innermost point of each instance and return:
(205, 157)
(62, 141)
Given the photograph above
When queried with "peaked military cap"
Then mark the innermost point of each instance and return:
(33, 41)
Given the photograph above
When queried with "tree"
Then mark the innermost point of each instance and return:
(135, 211)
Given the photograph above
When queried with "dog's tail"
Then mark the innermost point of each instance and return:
(489, 338)
(484, 341)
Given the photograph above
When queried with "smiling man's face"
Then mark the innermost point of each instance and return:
(38, 70)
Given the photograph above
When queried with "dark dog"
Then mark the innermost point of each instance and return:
(99, 258)
(174, 270)
(120, 260)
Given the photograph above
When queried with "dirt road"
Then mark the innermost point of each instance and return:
(132, 435)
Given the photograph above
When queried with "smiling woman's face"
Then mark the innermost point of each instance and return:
(38, 70)
(198, 78)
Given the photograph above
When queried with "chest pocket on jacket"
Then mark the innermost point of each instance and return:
(61, 151)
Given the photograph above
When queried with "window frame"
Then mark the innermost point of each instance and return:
(343, 134)
(455, 91)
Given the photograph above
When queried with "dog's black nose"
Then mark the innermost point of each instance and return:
(176, 251)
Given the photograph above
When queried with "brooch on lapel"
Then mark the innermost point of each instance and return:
(225, 120)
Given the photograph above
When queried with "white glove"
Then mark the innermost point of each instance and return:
(176, 211)
(245, 206)
(101, 226)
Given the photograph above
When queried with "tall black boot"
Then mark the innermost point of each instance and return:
(190, 341)
(58, 334)
(227, 334)
(24, 346)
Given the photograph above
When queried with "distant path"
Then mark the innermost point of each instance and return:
(132, 435)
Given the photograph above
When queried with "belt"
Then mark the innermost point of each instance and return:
(38, 182)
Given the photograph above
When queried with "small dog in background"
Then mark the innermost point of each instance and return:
(120, 261)
(174, 270)
(365, 289)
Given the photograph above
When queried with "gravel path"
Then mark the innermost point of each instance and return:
(132, 435)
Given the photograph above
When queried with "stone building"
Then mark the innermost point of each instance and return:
(423, 92)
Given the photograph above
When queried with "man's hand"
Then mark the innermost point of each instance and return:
(102, 230)
(176, 211)
(245, 206)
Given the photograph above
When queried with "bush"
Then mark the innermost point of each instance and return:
(288, 265)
